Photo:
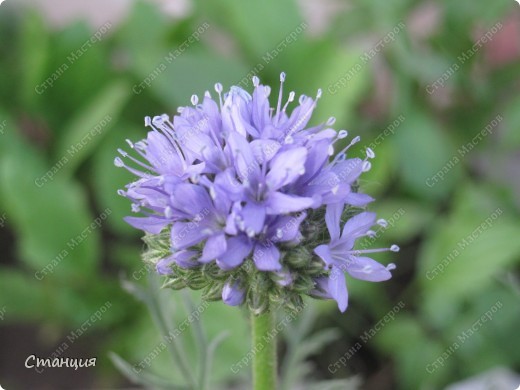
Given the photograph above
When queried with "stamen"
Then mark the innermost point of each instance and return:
(394, 248)
(366, 166)
(292, 94)
(391, 267)
(342, 134)
(280, 94)
(126, 155)
(342, 155)
(118, 162)
(382, 222)
(212, 192)
(330, 121)
(371, 233)
(358, 252)
(256, 81)
(194, 100)
(370, 153)
(218, 89)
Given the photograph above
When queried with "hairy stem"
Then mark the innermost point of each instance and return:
(264, 345)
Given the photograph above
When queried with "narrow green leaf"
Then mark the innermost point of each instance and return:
(33, 52)
(143, 377)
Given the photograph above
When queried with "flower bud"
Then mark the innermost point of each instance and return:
(233, 293)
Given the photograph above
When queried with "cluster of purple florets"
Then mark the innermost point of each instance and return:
(238, 193)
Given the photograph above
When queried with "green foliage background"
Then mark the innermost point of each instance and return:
(37, 131)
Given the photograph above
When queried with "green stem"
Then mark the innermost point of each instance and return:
(264, 345)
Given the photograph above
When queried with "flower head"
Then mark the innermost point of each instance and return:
(233, 188)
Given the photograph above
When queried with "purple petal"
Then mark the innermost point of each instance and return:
(286, 167)
(333, 219)
(233, 294)
(253, 215)
(192, 199)
(284, 277)
(186, 259)
(338, 288)
(211, 114)
(260, 108)
(148, 192)
(193, 137)
(163, 266)
(266, 257)
(322, 288)
(286, 228)
(215, 246)
(185, 234)
(162, 155)
(245, 164)
(153, 225)
(365, 268)
(358, 225)
(278, 203)
(323, 251)
(264, 149)
(316, 159)
(357, 199)
(238, 248)
(227, 188)
(348, 171)
(300, 116)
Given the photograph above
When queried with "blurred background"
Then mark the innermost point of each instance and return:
(432, 86)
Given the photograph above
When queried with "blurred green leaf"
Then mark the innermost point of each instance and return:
(107, 178)
(138, 48)
(414, 351)
(20, 294)
(341, 75)
(86, 130)
(382, 174)
(268, 23)
(204, 68)
(465, 250)
(142, 377)
(510, 130)
(48, 214)
(33, 56)
(424, 151)
(406, 218)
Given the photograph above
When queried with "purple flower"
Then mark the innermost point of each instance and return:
(233, 293)
(231, 181)
(340, 256)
